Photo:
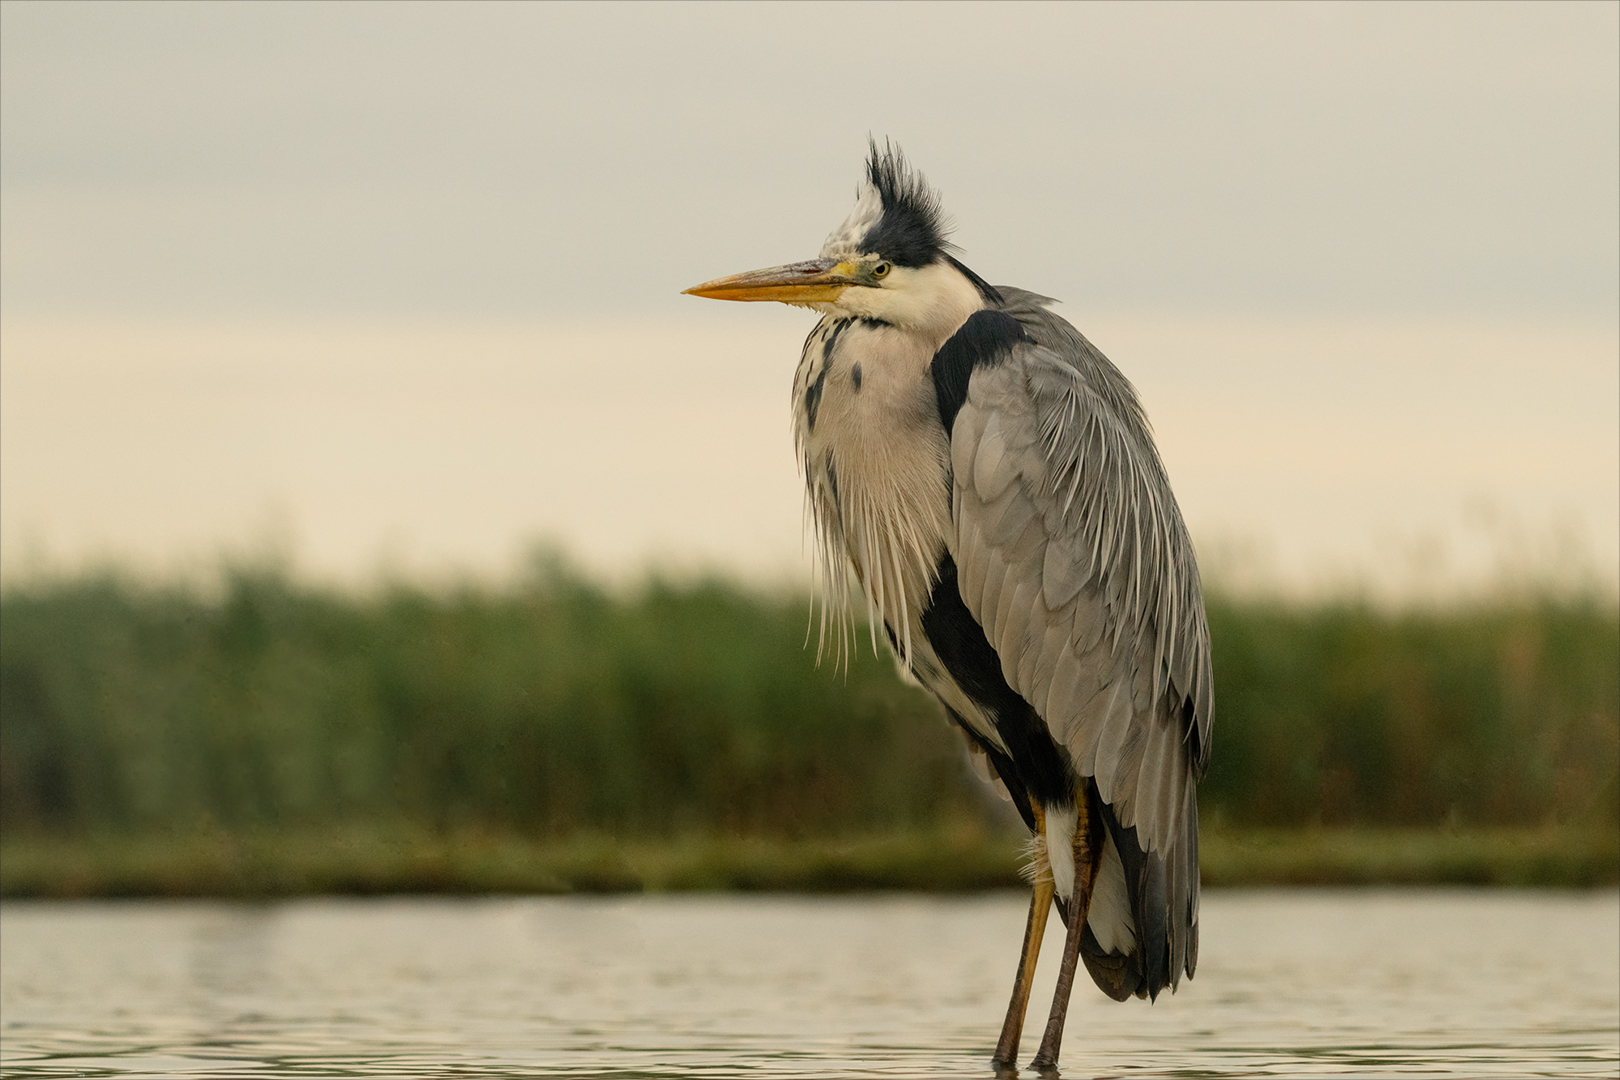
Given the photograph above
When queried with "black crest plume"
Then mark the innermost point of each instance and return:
(912, 230)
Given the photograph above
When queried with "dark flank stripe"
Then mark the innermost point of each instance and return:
(999, 760)
(1037, 765)
(1004, 768)
(983, 341)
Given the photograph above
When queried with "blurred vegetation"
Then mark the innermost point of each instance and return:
(1499, 714)
(555, 714)
(548, 708)
(360, 860)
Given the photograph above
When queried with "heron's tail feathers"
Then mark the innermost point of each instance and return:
(1161, 892)
(1118, 976)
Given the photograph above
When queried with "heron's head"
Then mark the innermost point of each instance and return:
(889, 260)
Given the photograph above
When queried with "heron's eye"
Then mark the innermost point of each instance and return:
(880, 270)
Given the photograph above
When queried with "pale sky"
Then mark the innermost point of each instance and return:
(396, 287)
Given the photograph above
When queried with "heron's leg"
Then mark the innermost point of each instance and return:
(1040, 906)
(1087, 857)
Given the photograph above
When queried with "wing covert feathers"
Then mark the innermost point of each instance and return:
(1073, 557)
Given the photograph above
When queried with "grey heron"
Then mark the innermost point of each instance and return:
(990, 478)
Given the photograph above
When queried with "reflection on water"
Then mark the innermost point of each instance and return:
(1319, 982)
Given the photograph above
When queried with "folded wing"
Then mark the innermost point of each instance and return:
(1072, 555)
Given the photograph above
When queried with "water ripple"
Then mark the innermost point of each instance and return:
(1298, 983)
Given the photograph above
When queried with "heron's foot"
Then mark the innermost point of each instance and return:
(1045, 1067)
(1003, 1068)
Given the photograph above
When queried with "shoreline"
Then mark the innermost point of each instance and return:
(383, 861)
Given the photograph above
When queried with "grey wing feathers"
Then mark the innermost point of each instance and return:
(1073, 556)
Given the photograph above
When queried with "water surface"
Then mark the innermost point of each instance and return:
(1319, 982)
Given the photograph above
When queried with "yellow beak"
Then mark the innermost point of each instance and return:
(818, 280)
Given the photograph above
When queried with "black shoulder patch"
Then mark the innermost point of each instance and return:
(983, 341)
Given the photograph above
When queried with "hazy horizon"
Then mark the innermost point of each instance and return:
(395, 288)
